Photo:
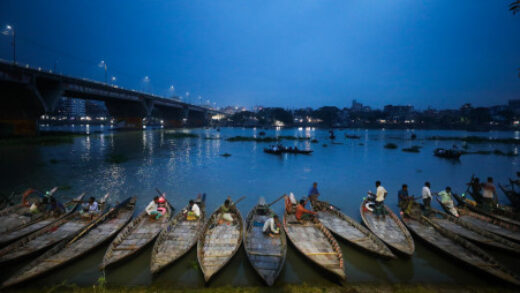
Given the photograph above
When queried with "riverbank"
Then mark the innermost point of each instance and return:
(350, 288)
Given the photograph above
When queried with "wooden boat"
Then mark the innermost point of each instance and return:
(286, 150)
(348, 229)
(472, 232)
(456, 246)
(48, 236)
(390, 229)
(177, 238)
(38, 222)
(316, 243)
(266, 254)
(84, 241)
(219, 243)
(136, 235)
(498, 214)
(506, 212)
(447, 153)
(514, 197)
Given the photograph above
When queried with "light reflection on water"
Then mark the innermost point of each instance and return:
(185, 167)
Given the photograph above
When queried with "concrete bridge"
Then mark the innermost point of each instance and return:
(27, 93)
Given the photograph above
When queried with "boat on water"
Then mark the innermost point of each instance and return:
(50, 235)
(352, 136)
(351, 231)
(37, 222)
(389, 229)
(316, 243)
(498, 212)
(219, 242)
(289, 150)
(266, 254)
(82, 242)
(472, 232)
(177, 238)
(136, 235)
(456, 246)
(513, 196)
(447, 153)
(489, 223)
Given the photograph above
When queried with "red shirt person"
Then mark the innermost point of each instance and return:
(302, 213)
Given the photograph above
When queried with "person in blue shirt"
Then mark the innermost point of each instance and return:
(313, 192)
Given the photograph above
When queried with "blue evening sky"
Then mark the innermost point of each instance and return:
(297, 53)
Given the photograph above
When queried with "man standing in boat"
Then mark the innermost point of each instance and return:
(447, 201)
(488, 196)
(313, 192)
(427, 197)
(405, 201)
(379, 209)
(272, 226)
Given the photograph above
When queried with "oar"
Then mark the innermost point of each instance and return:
(239, 200)
(161, 194)
(272, 203)
(101, 218)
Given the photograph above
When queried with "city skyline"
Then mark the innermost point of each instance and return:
(439, 54)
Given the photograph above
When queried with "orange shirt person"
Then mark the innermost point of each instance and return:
(302, 213)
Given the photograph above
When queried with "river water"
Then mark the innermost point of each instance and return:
(183, 167)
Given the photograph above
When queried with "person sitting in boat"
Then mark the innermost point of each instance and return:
(302, 213)
(151, 208)
(225, 212)
(56, 207)
(90, 208)
(290, 203)
(161, 205)
(313, 192)
(193, 212)
(405, 201)
(272, 226)
(476, 189)
(489, 194)
(447, 201)
(427, 197)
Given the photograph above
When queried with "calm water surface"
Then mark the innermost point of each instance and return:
(185, 167)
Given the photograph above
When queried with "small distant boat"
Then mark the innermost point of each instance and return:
(391, 230)
(514, 197)
(44, 238)
(352, 136)
(348, 229)
(283, 150)
(447, 153)
(92, 236)
(38, 222)
(266, 254)
(136, 235)
(456, 246)
(219, 243)
(177, 238)
(315, 242)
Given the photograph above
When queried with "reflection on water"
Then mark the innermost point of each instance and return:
(185, 167)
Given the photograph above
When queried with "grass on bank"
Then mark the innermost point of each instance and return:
(42, 139)
(495, 152)
(304, 288)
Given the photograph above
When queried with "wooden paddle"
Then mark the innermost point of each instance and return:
(275, 200)
(161, 194)
(101, 218)
(239, 200)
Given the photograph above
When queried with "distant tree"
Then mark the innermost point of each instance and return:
(329, 115)
(269, 115)
(241, 117)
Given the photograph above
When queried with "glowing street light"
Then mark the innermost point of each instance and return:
(103, 64)
(10, 30)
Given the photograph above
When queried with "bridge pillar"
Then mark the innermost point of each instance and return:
(129, 114)
(172, 117)
(48, 92)
(197, 118)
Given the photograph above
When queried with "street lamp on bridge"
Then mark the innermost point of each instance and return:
(103, 64)
(10, 30)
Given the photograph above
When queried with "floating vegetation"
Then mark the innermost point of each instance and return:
(267, 138)
(212, 137)
(324, 145)
(53, 161)
(413, 149)
(390, 146)
(352, 136)
(174, 135)
(314, 140)
(336, 142)
(45, 139)
(116, 158)
(226, 155)
(495, 152)
(361, 143)
(476, 139)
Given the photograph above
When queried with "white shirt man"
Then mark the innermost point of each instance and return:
(380, 193)
(196, 210)
(426, 193)
(151, 207)
(269, 227)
